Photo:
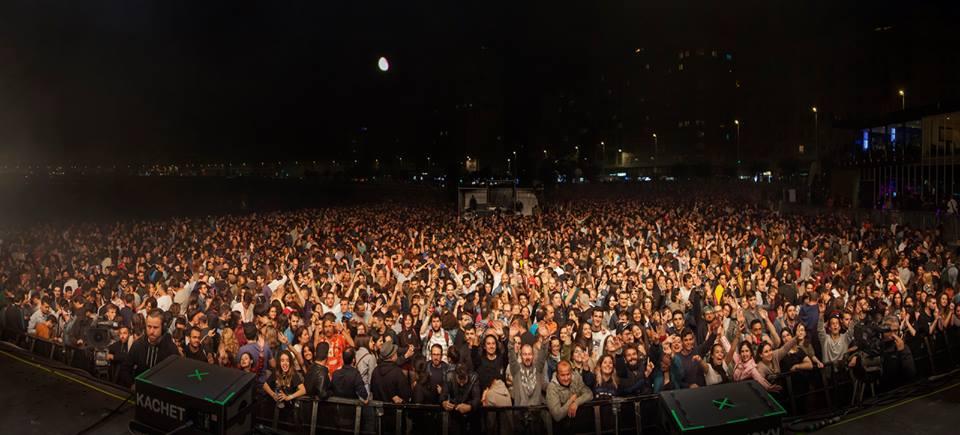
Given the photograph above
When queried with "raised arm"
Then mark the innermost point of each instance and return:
(732, 354)
(296, 291)
(782, 351)
(772, 330)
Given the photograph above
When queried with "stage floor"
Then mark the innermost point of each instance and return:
(40, 400)
(935, 413)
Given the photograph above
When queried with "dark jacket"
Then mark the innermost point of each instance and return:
(388, 381)
(317, 381)
(14, 319)
(468, 393)
(348, 383)
(120, 353)
(633, 382)
(143, 356)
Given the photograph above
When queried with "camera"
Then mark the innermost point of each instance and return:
(99, 336)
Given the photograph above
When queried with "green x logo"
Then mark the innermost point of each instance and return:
(198, 374)
(725, 403)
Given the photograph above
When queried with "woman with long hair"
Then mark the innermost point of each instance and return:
(285, 385)
(365, 360)
(801, 357)
(307, 357)
(606, 375)
(715, 368)
(302, 337)
(745, 366)
(408, 335)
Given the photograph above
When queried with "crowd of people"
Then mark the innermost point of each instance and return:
(590, 299)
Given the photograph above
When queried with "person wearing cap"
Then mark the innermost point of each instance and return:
(388, 383)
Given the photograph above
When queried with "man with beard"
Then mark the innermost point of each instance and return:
(469, 345)
(528, 382)
(466, 318)
(195, 349)
(338, 337)
(436, 369)
(433, 333)
(118, 352)
(790, 319)
(149, 350)
(636, 372)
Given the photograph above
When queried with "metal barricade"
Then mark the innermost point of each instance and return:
(618, 415)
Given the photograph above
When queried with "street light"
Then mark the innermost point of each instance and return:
(656, 144)
(816, 130)
(737, 123)
(903, 99)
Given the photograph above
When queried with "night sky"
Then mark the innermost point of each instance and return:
(144, 81)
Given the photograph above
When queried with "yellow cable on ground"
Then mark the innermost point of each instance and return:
(893, 405)
(64, 376)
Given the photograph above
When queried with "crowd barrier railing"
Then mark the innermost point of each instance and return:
(347, 416)
(805, 392)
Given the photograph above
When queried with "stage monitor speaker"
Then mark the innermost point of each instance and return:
(736, 408)
(192, 397)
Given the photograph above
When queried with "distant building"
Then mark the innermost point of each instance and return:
(906, 159)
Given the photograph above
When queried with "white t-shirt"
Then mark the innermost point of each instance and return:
(246, 315)
(164, 302)
(598, 338)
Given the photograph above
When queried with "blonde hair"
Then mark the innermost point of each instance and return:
(228, 342)
(270, 337)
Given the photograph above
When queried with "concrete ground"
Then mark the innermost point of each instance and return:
(38, 399)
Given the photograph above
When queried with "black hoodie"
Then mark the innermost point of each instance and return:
(388, 381)
(143, 356)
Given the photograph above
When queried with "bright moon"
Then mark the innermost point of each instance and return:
(383, 64)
